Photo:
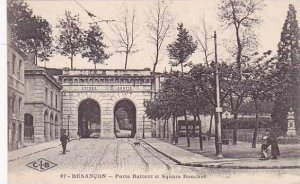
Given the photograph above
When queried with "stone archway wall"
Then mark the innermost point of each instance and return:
(89, 118)
(125, 119)
(107, 102)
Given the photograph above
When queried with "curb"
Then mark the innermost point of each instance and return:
(220, 165)
(13, 159)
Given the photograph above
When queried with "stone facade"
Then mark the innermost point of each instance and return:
(42, 104)
(15, 93)
(107, 88)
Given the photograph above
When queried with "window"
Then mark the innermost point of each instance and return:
(20, 69)
(51, 98)
(46, 95)
(55, 101)
(13, 63)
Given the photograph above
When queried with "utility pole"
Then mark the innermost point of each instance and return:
(218, 116)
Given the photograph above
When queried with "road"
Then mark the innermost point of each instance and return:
(113, 160)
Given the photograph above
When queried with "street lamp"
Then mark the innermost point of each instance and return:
(143, 127)
(218, 106)
(68, 124)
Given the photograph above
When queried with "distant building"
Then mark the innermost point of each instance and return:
(15, 94)
(42, 104)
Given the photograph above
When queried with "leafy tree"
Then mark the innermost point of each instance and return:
(288, 73)
(173, 98)
(242, 16)
(259, 83)
(197, 102)
(70, 41)
(94, 46)
(159, 25)
(32, 34)
(181, 49)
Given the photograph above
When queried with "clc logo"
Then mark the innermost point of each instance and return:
(41, 164)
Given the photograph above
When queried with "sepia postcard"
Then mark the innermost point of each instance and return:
(150, 91)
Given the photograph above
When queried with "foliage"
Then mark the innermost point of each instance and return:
(32, 34)
(181, 49)
(70, 41)
(94, 46)
(287, 74)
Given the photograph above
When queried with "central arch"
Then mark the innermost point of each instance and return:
(125, 119)
(89, 118)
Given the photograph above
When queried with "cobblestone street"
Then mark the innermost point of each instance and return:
(117, 159)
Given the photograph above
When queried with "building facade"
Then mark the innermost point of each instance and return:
(42, 104)
(106, 103)
(15, 94)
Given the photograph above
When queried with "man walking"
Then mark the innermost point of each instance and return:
(64, 139)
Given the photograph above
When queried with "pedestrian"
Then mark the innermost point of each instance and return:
(64, 139)
(79, 134)
(271, 141)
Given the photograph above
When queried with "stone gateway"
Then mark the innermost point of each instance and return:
(106, 103)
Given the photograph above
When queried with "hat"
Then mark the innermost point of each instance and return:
(265, 137)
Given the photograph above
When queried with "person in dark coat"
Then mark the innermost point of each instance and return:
(271, 141)
(64, 140)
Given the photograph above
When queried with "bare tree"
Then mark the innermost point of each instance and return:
(159, 22)
(125, 30)
(242, 16)
(203, 39)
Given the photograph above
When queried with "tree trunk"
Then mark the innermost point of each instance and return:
(177, 131)
(167, 128)
(187, 130)
(200, 133)
(181, 68)
(35, 58)
(164, 134)
(235, 128)
(158, 129)
(173, 130)
(126, 59)
(194, 126)
(210, 125)
(71, 61)
(256, 124)
(95, 66)
(156, 61)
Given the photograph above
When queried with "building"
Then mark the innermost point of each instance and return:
(106, 103)
(15, 94)
(42, 104)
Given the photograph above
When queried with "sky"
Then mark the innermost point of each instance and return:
(189, 12)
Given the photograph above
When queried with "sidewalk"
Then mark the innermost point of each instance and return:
(185, 157)
(32, 149)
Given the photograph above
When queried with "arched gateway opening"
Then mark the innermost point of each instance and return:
(89, 119)
(125, 119)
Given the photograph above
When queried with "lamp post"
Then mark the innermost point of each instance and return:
(143, 127)
(218, 106)
(68, 124)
